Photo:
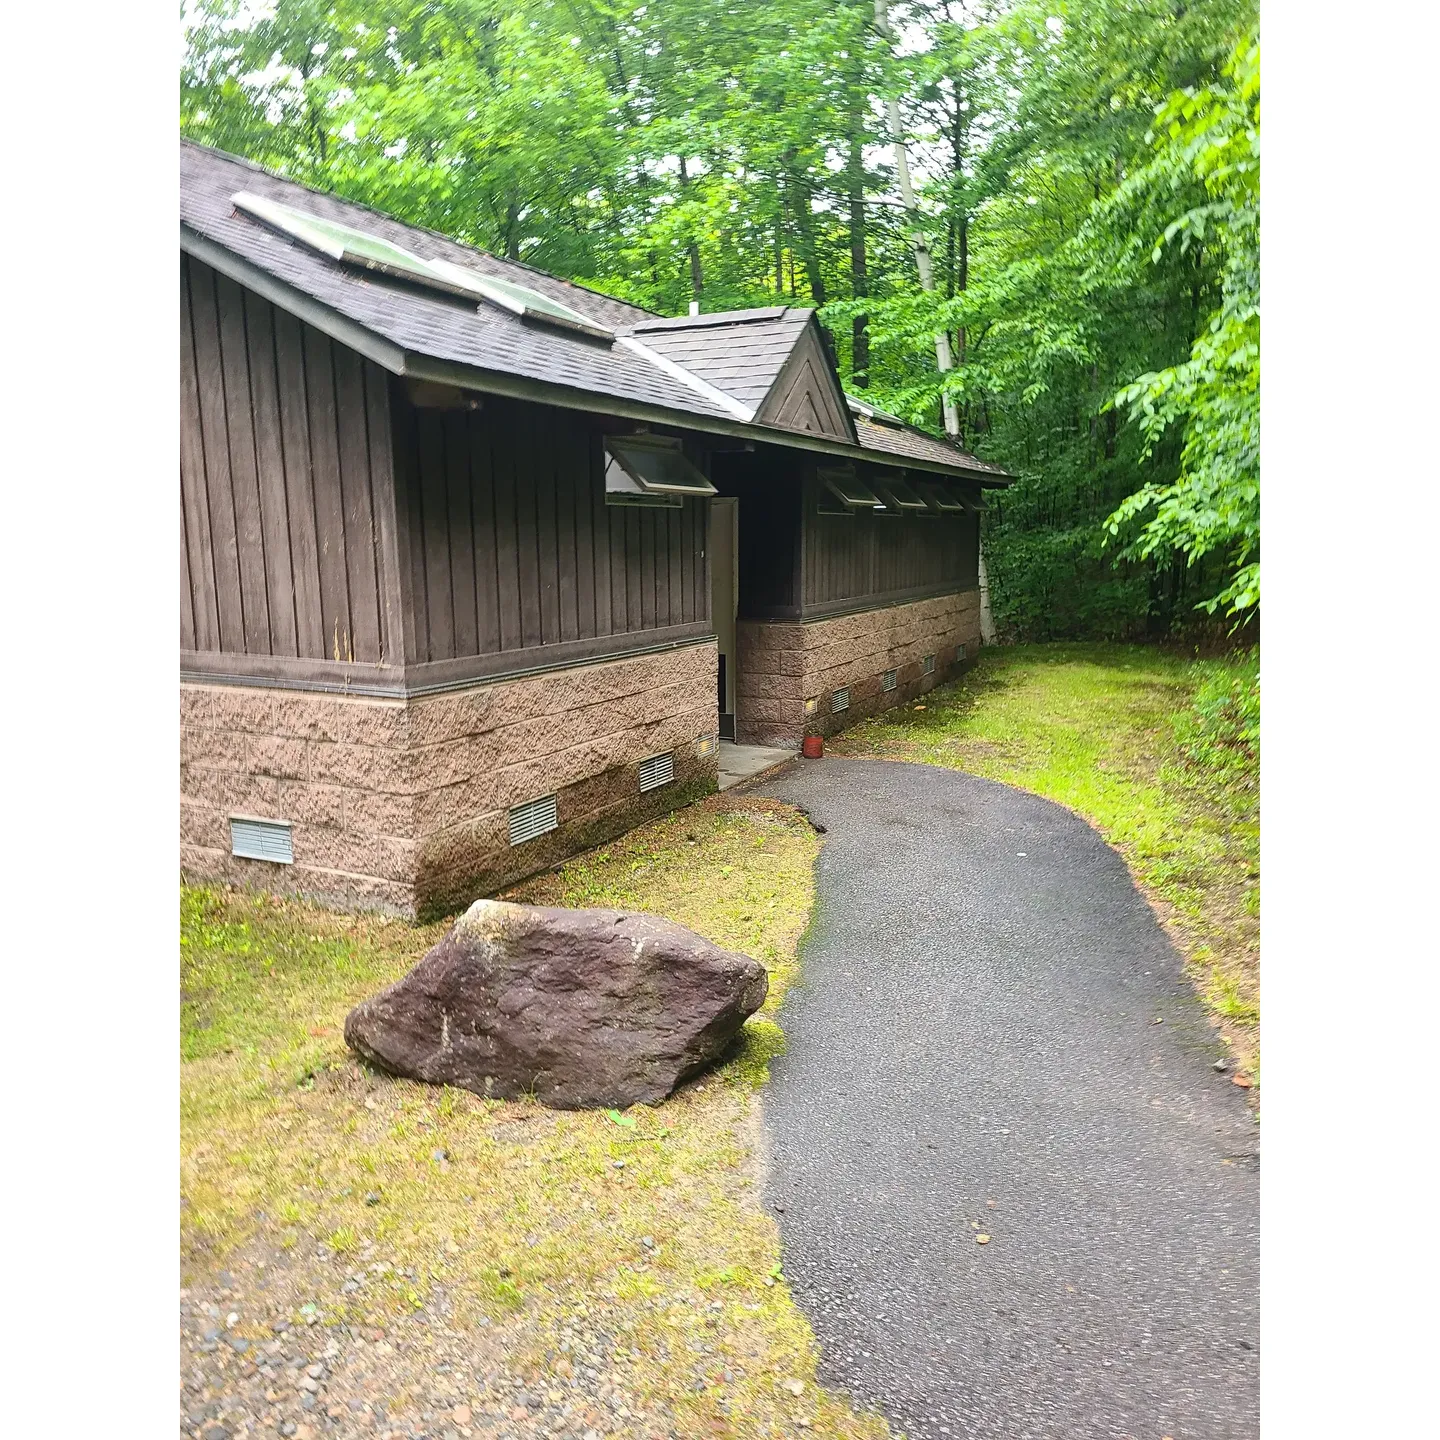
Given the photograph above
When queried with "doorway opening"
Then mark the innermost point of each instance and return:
(724, 601)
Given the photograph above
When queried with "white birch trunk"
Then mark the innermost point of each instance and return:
(944, 360)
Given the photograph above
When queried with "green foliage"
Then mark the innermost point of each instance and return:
(1088, 176)
(1221, 731)
(1211, 136)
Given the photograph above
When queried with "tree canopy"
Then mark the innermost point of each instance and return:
(1088, 182)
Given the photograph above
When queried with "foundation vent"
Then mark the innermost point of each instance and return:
(705, 745)
(657, 770)
(261, 840)
(534, 817)
(839, 700)
(927, 665)
(888, 679)
(959, 652)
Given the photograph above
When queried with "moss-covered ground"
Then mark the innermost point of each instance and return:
(638, 1234)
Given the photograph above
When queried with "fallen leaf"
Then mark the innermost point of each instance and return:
(919, 707)
(319, 1030)
(795, 1387)
(982, 1239)
(1243, 1081)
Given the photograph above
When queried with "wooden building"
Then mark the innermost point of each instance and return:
(479, 567)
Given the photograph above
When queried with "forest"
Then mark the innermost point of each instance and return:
(1034, 226)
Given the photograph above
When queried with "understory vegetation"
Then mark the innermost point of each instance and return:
(529, 1233)
(1086, 177)
(1158, 751)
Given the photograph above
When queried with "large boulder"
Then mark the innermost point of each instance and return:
(575, 1007)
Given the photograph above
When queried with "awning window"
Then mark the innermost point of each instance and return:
(973, 500)
(650, 470)
(852, 495)
(942, 500)
(899, 496)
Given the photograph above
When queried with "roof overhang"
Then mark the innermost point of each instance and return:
(411, 364)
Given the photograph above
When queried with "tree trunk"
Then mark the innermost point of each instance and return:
(799, 193)
(859, 276)
(697, 278)
(918, 242)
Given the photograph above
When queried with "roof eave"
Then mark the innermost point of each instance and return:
(400, 361)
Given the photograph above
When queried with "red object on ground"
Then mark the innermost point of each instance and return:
(814, 747)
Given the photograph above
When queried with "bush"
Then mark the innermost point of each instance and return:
(1221, 730)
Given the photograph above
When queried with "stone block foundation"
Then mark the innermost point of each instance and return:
(402, 805)
(782, 664)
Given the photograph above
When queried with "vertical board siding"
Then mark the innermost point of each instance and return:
(329, 498)
(214, 438)
(353, 447)
(389, 574)
(199, 575)
(310, 636)
(860, 557)
(244, 482)
(270, 474)
(434, 514)
(460, 526)
(286, 499)
(511, 521)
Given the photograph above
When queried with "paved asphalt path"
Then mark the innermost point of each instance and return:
(976, 1024)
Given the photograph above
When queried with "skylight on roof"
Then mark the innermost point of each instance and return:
(356, 247)
(866, 411)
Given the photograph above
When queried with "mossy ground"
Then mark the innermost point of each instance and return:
(520, 1216)
(1133, 739)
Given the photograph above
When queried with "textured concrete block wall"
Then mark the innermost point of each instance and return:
(781, 664)
(403, 805)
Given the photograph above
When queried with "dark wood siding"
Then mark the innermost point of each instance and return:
(796, 563)
(882, 559)
(512, 546)
(285, 485)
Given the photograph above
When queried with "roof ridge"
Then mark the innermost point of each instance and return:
(411, 225)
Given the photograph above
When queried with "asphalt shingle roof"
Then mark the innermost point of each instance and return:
(739, 353)
(439, 326)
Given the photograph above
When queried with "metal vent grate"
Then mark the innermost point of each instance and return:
(534, 817)
(959, 652)
(262, 840)
(705, 745)
(657, 770)
(888, 679)
(839, 700)
(928, 665)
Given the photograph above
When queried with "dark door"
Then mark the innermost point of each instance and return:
(724, 595)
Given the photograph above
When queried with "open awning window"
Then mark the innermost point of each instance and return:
(899, 496)
(973, 500)
(842, 485)
(650, 470)
(942, 500)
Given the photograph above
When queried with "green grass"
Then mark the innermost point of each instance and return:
(288, 1143)
(1160, 753)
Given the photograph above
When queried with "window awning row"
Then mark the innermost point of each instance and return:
(893, 494)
